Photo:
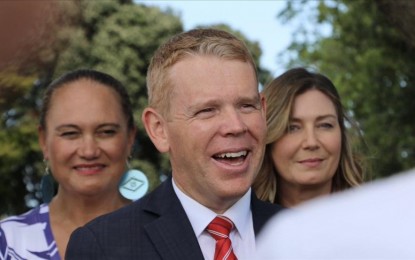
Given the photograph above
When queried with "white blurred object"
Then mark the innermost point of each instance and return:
(375, 221)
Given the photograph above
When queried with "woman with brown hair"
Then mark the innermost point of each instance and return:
(309, 151)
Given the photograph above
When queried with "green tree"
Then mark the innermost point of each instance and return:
(28, 38)
(372, 64)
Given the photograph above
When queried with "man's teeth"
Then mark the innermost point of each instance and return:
(232, 155)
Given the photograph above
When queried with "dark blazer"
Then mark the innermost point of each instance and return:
(154, 227)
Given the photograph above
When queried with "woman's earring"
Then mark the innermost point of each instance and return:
(133, 184)
(47, 184)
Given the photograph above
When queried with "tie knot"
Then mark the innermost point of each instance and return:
(220, 227)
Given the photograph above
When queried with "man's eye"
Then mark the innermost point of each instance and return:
(205, 112)
(249, 107)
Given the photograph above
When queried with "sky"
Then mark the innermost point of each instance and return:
(257, 20)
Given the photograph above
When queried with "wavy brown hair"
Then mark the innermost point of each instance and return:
(280, 95)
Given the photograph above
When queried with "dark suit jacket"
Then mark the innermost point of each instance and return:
(154, 227)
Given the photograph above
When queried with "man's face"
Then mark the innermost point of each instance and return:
(215, 128)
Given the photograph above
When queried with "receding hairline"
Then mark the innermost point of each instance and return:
(197, 42)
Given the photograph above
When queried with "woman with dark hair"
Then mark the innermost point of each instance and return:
(86, 134)
(309, 151)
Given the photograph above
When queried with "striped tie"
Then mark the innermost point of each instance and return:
(219, 229)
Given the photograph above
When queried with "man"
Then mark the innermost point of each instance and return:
(375, 221)
(206, 113)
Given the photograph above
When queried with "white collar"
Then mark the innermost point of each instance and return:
(200, 216)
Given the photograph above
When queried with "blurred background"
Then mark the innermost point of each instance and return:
(367, 47)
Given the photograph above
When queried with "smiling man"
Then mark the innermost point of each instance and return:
(206, 113)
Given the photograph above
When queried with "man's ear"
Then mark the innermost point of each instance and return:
(42, 142)
(156, 129)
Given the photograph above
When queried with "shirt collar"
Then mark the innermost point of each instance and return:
(200, 216)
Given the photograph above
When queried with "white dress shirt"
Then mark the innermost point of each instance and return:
(242, 236)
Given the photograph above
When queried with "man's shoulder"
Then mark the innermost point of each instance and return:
(139, 212)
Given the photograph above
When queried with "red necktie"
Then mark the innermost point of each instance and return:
(219, 229)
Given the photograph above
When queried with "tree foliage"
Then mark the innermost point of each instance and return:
(118, 37)
(371, 62)
(28, 39)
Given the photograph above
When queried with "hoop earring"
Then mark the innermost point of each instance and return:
(133, 184)
(47, 184)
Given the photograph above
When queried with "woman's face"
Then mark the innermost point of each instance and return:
(309, 153)
(86, 140)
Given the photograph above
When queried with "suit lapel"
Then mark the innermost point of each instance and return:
(171, 233)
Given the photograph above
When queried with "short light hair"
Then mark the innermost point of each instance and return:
(280, 95)
(203, 42)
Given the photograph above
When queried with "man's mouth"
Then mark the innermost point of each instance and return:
(231, 157)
